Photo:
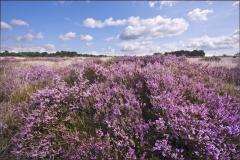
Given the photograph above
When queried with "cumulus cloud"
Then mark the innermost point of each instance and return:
(86, 38)
(137, 27)
(108, 39)
(161, 3)
(111, 22)
(104, 51)
(67, 36)
(167, 3)
(147, 47)
(199, 14)
(92, 23)
(5, 25)
(155, 27)
(139, 47)
(26, 37)
(49, 47)
(227, 44)
(235, 3)
(44, 48)
(39, 35)
(109, 51)
(19, 22)
(134, 46)
(209, 2)
(152, 3)
(30, 37)
(215, 43)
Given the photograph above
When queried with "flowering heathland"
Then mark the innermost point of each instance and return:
(152, 107)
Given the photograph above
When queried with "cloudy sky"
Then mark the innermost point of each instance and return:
(120, 28)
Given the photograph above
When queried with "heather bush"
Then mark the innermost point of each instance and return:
(17, 85)
(10, 120)
(21, 82)
(152, 107)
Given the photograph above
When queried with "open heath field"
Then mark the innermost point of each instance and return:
(226, 62)
(150, 107)
(119, 80)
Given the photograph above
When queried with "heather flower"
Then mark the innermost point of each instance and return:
(151, 107)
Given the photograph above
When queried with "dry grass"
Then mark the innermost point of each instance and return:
(54, 62)
(228, 62)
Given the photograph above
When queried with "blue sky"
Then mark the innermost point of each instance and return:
(120, 28)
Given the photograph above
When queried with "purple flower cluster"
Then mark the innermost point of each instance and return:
(231, 75)
(153, 107)
(36, 74)
(16, 78)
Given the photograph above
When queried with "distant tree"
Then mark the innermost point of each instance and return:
(157, 53)
(224, 55)
(194, 53)
(237, 54)
(45, 54)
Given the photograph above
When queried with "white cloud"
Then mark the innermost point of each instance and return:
(108, 39)
(167, 3)
(235, 3)
(173, 46)
(139, 48)
(199, 14)
(92, 23)
(215, 43)
(161, 3)
(86, 38)
(147, 47)
(155, 27)
(30, 37)
(209, 2)
(109, 51)
(152, 3)
(137, 27)
(43, 48)
(104, 51)
(5, 25)
(49, 47)
(19, 22)
(133, 20)
(67, 36)
(26, 37)
(111, 22)
(39, 35)
(225, 44)
(130, 47)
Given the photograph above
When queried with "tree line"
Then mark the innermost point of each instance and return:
(194, 53)
(46, 54)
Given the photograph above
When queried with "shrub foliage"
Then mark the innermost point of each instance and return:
(152, 107)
